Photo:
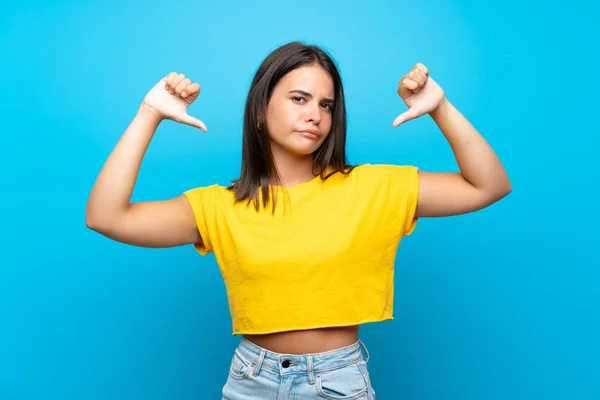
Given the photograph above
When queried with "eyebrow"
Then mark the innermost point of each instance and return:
(302, 92)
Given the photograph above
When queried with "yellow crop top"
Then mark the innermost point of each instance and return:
(325, 258)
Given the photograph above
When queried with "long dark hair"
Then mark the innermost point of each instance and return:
(258, 167)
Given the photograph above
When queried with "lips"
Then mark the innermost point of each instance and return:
(312, 134)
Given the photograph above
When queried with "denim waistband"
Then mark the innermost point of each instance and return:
(310, 363)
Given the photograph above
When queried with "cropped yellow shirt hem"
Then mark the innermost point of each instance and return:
(324, 258)
(305, 327)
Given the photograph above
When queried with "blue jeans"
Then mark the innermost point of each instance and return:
(257, 373)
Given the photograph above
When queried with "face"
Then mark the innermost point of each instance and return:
(300, 110)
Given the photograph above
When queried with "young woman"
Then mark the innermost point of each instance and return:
(305, 241)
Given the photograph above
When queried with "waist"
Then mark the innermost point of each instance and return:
(301, 363)
(306, 341)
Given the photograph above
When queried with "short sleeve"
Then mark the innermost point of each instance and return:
(410, 188)
(202, 201)
(403, 187)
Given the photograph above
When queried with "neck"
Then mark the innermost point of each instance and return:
(293, 169)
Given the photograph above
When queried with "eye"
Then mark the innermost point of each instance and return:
(327, 106)
(297, 98)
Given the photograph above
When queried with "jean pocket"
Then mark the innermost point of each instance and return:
(349, 382)
(239, 368)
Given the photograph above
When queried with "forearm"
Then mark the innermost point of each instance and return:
(478, 163)
(111, 194)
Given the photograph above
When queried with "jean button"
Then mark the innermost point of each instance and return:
(285, 363)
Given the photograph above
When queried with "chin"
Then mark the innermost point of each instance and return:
(302, 151)
(305, 148)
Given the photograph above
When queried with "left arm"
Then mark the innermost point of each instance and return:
(482, 179)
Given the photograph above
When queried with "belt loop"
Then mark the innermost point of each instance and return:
(367, 356)
(309, 367)
(259, 363)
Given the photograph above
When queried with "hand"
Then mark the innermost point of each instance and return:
(420, 93)
(170, 98)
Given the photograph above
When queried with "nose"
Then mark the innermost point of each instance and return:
(313, 114)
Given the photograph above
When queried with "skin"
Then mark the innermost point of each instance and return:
(299, 103)
(481, 181)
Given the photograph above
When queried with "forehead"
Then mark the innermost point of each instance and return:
(313, 79)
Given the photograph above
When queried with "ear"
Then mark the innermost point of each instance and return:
(259, 121)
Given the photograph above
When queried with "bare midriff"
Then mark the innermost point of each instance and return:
(307, 341)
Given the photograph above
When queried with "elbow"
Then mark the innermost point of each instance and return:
(506, 188)
(91, 217)
(502, 191)
(92, 222)
(101, 225)
(97, 222)
(102, 219)
(494, 194)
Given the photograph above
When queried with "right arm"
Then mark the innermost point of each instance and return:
(109, 211)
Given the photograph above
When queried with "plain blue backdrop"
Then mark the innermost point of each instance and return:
(499, 304)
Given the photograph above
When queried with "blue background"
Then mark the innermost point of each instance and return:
(499, 304)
